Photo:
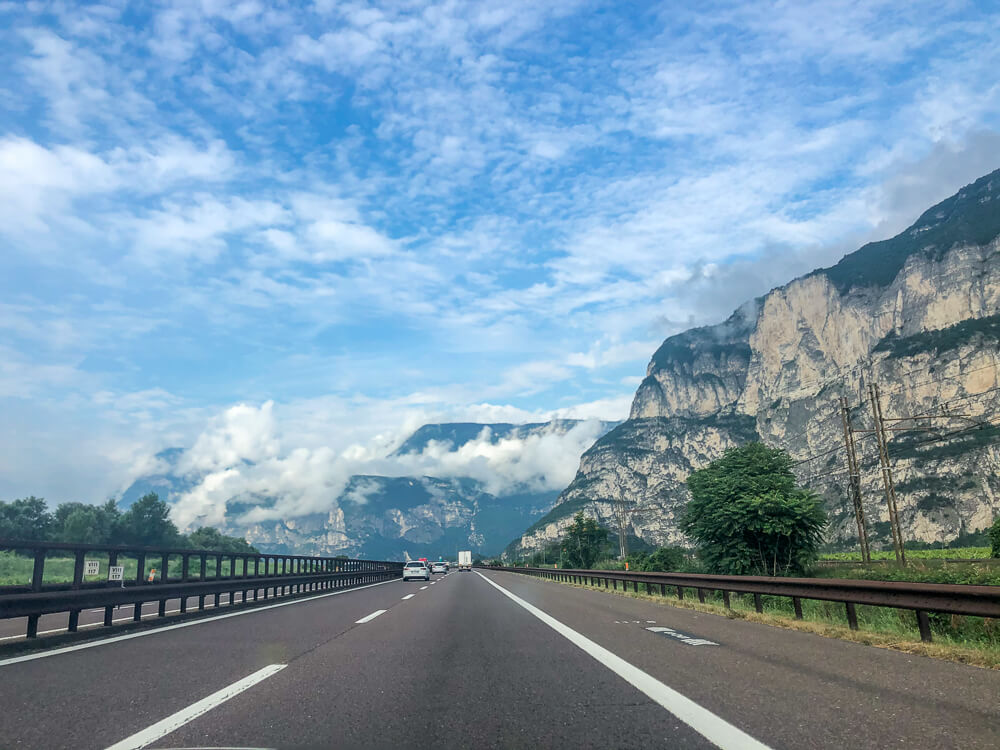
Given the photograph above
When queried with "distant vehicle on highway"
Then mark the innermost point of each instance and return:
(465, 560)
(439, 567)
(416, 569)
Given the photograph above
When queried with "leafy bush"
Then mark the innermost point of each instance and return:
(995, 538)
(747, 516)
(664, 559)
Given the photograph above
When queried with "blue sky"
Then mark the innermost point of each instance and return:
(346, 219)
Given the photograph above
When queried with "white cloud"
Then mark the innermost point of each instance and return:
(250, 453)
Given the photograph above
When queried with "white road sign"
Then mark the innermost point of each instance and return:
(91, 567)
(116, 572)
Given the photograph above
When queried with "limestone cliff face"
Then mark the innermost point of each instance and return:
(919, 314)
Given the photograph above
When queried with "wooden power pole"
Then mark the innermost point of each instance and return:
(883, 457)
(854, 473)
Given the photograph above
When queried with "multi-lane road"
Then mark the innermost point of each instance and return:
(487, 659)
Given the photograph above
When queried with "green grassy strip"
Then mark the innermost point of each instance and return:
(977, 633)
(958, 553)
(16, 570)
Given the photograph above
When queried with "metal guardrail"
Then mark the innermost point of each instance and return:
(958, 599)
(253, 575)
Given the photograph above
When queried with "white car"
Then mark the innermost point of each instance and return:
(416, 569)
(439, 567)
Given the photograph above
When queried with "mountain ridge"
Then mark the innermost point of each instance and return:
(925, 301)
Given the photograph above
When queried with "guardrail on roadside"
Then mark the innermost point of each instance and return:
(958, 599)
(254, 575)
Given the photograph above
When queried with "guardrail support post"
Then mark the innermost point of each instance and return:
(649, 588)
(74, 614)
(165, 569)
(797, 604)
(635, 587)
(924, 624)
(37, 576)
(852, 615)
(680, 592)
(161, 610)
(203, 573)
(725, 600)
(140, 579)
(701, 595)
(38, 570)
(109, 611)
(758, 603)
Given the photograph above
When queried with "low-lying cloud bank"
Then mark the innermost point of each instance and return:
(248, 454)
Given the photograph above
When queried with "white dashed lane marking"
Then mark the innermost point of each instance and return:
(372, 616)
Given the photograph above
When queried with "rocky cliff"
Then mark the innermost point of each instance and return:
(918, 314)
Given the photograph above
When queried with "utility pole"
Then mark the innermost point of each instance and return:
(621, 516)
(890, 489)
(855, 480)
(622, 519)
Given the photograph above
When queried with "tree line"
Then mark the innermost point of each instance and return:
(145, 523)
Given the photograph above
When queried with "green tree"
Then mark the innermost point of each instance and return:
(87, 524)
(147, 523)
(212, 539)
(747, 517)
(994, 534)
(583, 542)
(27, 518)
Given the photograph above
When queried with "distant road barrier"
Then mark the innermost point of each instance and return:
(957, 599)
(255, 575)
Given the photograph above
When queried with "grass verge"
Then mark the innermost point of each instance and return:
(882, 627)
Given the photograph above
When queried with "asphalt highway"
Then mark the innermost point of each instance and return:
(493, 660)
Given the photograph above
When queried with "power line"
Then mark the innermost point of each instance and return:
(937, 380)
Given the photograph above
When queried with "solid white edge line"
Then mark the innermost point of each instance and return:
(190, 623)
(175, 721)
(715, 729)
(408, 596)
(372, 616)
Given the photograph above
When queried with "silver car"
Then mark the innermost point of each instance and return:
(416, 569)
(439, 567)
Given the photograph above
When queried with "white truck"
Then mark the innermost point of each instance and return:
(465, 559)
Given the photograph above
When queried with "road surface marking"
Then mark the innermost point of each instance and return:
(372, 616)
(422, 588)
(713, 728)
(683, 637)
(190, 623)
(151, 734)
(408, 596)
